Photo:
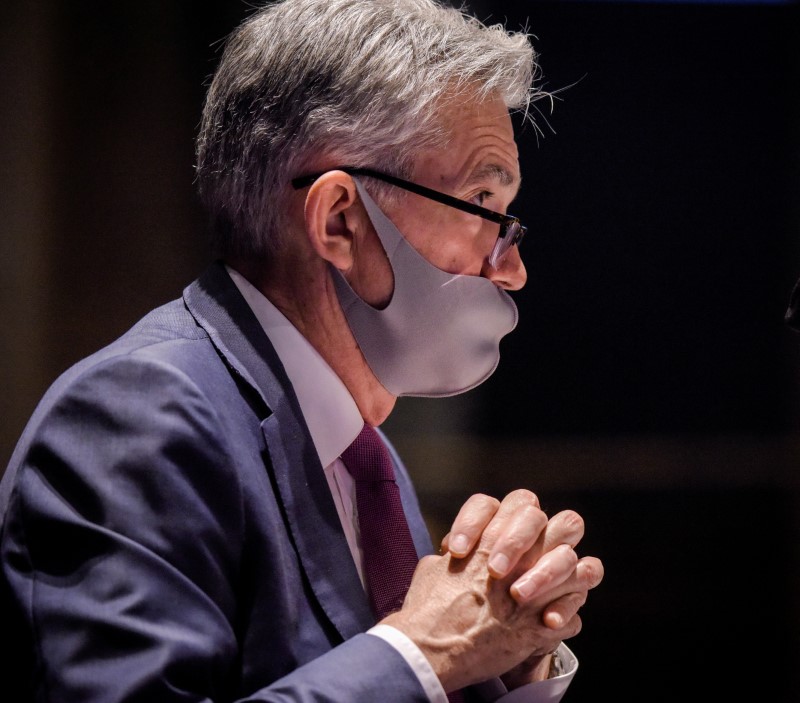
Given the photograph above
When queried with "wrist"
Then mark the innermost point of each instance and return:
(533, 669)
(437, 653)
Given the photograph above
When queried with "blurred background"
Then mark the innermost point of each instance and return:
(651, 384)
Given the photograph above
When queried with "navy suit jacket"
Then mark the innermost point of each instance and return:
(169, 535)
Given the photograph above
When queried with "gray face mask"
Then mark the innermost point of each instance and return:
(440, 334)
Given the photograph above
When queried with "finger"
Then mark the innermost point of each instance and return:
(552, 569)
(572, 593)
(570, 629)
(588, 574)
(444, 545)
(558, 613)
(469, 524)
(519, 524)
(566, 527)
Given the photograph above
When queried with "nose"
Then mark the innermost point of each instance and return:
(511, 275)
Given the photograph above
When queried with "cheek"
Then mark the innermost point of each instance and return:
(452, 254)
(451, 243)
(460, 247)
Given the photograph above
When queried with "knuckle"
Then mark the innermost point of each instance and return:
(475, 514)
(514, 543)
(533, 512)
(484, 502)
(522, 496)
(427, 560)
(571, 557)
(578, 600)
(568, 606)
(561, 560)
(575, 626)
(591, 571)
(530, 521)
(572, 521)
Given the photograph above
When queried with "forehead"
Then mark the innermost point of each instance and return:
(479, 146)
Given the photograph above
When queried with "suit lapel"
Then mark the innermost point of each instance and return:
(309, 511)
(316, 529)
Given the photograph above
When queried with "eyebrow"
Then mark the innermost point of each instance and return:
(493, 172)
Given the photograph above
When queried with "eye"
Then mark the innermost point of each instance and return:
(482, 197)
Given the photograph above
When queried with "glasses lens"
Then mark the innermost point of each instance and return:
(509, 236)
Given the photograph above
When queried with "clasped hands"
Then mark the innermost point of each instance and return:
(502, 596)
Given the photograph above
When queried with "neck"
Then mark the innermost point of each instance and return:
(304, 293)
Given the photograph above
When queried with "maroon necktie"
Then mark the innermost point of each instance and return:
(389, 554)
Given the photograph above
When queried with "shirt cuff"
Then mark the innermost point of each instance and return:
(550, 690)
(415, 659)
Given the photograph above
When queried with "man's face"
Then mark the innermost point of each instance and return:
(480, 164)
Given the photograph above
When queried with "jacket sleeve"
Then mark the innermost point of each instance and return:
(120, 550)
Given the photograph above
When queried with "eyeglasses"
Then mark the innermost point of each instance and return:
(511, 229)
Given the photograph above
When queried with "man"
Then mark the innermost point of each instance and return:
(180, 518)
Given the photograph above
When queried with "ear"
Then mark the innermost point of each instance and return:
(333, 218)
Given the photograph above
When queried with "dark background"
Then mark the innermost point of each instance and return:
(652, 384)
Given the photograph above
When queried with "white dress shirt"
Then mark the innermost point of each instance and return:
(334, 421)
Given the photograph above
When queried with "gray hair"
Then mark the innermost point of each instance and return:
(358, 81)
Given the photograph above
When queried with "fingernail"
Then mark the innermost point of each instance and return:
(499, 564)
(525, 589)
(459, 544)
(556, 621)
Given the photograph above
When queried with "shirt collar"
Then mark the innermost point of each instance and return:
(328, 408)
